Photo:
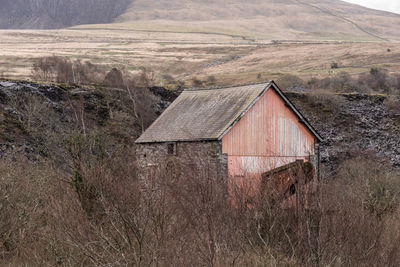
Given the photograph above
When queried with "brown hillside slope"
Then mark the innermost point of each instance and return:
(261, 19)
(51, 14)
(274, 19)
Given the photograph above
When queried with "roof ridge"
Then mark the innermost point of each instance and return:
(224, 86)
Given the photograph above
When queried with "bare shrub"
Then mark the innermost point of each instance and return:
(43, 69)
(334, 65)
(341, 82)
(180, 215)
(38, 118)
(358, 208)
(376, 80)
(26, 191)
(142, 101)
(146, 78)
(393, 105)
(169, 220)
(107, 223)
(65, 70)
(181, 83)
(394, 81)
(377, 186)
(349, 220)
(288, 81)
(196, 82)
(183, 215)
(211, 79)
(326, 100)
(114, 78)
(139, 101)
(169, 78)
(30, 110)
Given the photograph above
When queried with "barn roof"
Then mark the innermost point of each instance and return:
(208, 113)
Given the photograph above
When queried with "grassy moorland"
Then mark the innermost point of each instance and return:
(185, 53)
(233, 41)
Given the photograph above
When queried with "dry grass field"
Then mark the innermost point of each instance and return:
(192, 51)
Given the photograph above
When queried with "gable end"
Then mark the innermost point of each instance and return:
(288, 103)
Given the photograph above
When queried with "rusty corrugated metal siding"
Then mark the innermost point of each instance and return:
(268, 136)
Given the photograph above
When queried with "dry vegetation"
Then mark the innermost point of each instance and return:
(82, 200)
(102, 213)
(378, 81)
(85, 202)
(185, 55)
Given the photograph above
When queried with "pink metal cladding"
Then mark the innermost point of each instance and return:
(268, 136)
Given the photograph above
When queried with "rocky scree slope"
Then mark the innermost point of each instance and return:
(353, 125)
(36, 119)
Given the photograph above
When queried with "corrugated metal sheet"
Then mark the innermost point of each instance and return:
(245, 165)
(268, 136)
(202, 114)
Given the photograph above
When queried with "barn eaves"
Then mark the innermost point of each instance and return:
(208, 114)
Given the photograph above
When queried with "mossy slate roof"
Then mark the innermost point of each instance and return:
(204, 114)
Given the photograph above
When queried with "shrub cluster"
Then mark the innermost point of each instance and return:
(376, 81)
(65, 70)
(103, 213)
(76, 72)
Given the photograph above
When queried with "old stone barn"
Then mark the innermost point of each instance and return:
(240, 132)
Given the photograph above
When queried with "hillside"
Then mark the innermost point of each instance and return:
(50, 14)
(262, 19)
(275, 19)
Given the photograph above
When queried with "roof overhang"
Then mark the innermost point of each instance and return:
(238, 116)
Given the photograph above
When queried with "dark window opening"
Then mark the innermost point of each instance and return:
(171, 149)
(292, 189)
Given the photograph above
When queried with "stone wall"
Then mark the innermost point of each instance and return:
(187, 157)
